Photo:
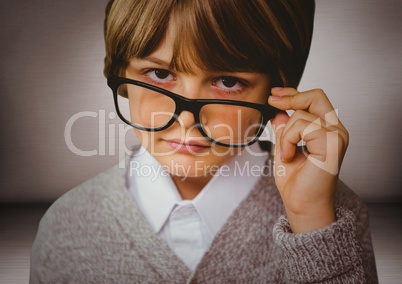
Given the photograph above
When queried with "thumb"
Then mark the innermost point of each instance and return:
(278, 124)
(280, 120)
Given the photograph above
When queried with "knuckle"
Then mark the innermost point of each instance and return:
(342, 142)
(343, 145)
(300, 123)
(297, 114)
(346, 140)
(319, 91)
(344, 135)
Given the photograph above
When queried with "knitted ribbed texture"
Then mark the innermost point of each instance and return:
(96, 234)
(321, 254)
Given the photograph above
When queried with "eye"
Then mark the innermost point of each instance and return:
(228, 83)
(160, 75)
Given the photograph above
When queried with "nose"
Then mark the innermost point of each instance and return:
(186, 119)
(189, 88)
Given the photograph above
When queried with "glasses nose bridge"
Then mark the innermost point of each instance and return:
(190, 105)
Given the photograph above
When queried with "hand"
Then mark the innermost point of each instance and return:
(307, 184)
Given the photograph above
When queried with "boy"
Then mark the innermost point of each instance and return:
(201, 80)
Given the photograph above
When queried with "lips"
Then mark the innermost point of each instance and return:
(187, 146)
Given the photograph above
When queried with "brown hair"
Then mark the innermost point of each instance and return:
(227, 35)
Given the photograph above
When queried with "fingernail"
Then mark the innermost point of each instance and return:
(276, 98)
(281, 155)
(277, 89)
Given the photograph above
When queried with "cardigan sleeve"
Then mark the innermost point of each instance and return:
(339, 253)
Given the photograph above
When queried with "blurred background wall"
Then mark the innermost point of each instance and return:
(51, 61)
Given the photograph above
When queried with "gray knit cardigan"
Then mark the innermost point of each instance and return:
(95, 233)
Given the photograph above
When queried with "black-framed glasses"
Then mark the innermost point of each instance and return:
(227, 123)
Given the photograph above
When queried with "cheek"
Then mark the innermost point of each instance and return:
(152, 141)
(150, 109)
(144, 138)
(231, 124)
(140, 111)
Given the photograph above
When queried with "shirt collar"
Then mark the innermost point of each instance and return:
(151, 187)
(156, 194)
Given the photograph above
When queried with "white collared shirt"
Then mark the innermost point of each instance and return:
(189, 226)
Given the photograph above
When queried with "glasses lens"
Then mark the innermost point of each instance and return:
(144, 108)
(231, 124)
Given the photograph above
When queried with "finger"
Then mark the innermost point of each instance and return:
(320, 141)
(315, 123)
(300, 124)
(313, 101)
(312, 133)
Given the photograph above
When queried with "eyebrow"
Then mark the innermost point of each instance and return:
(157, 61)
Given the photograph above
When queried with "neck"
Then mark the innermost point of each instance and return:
(190, 187)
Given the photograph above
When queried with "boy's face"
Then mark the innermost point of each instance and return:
(181, 148)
